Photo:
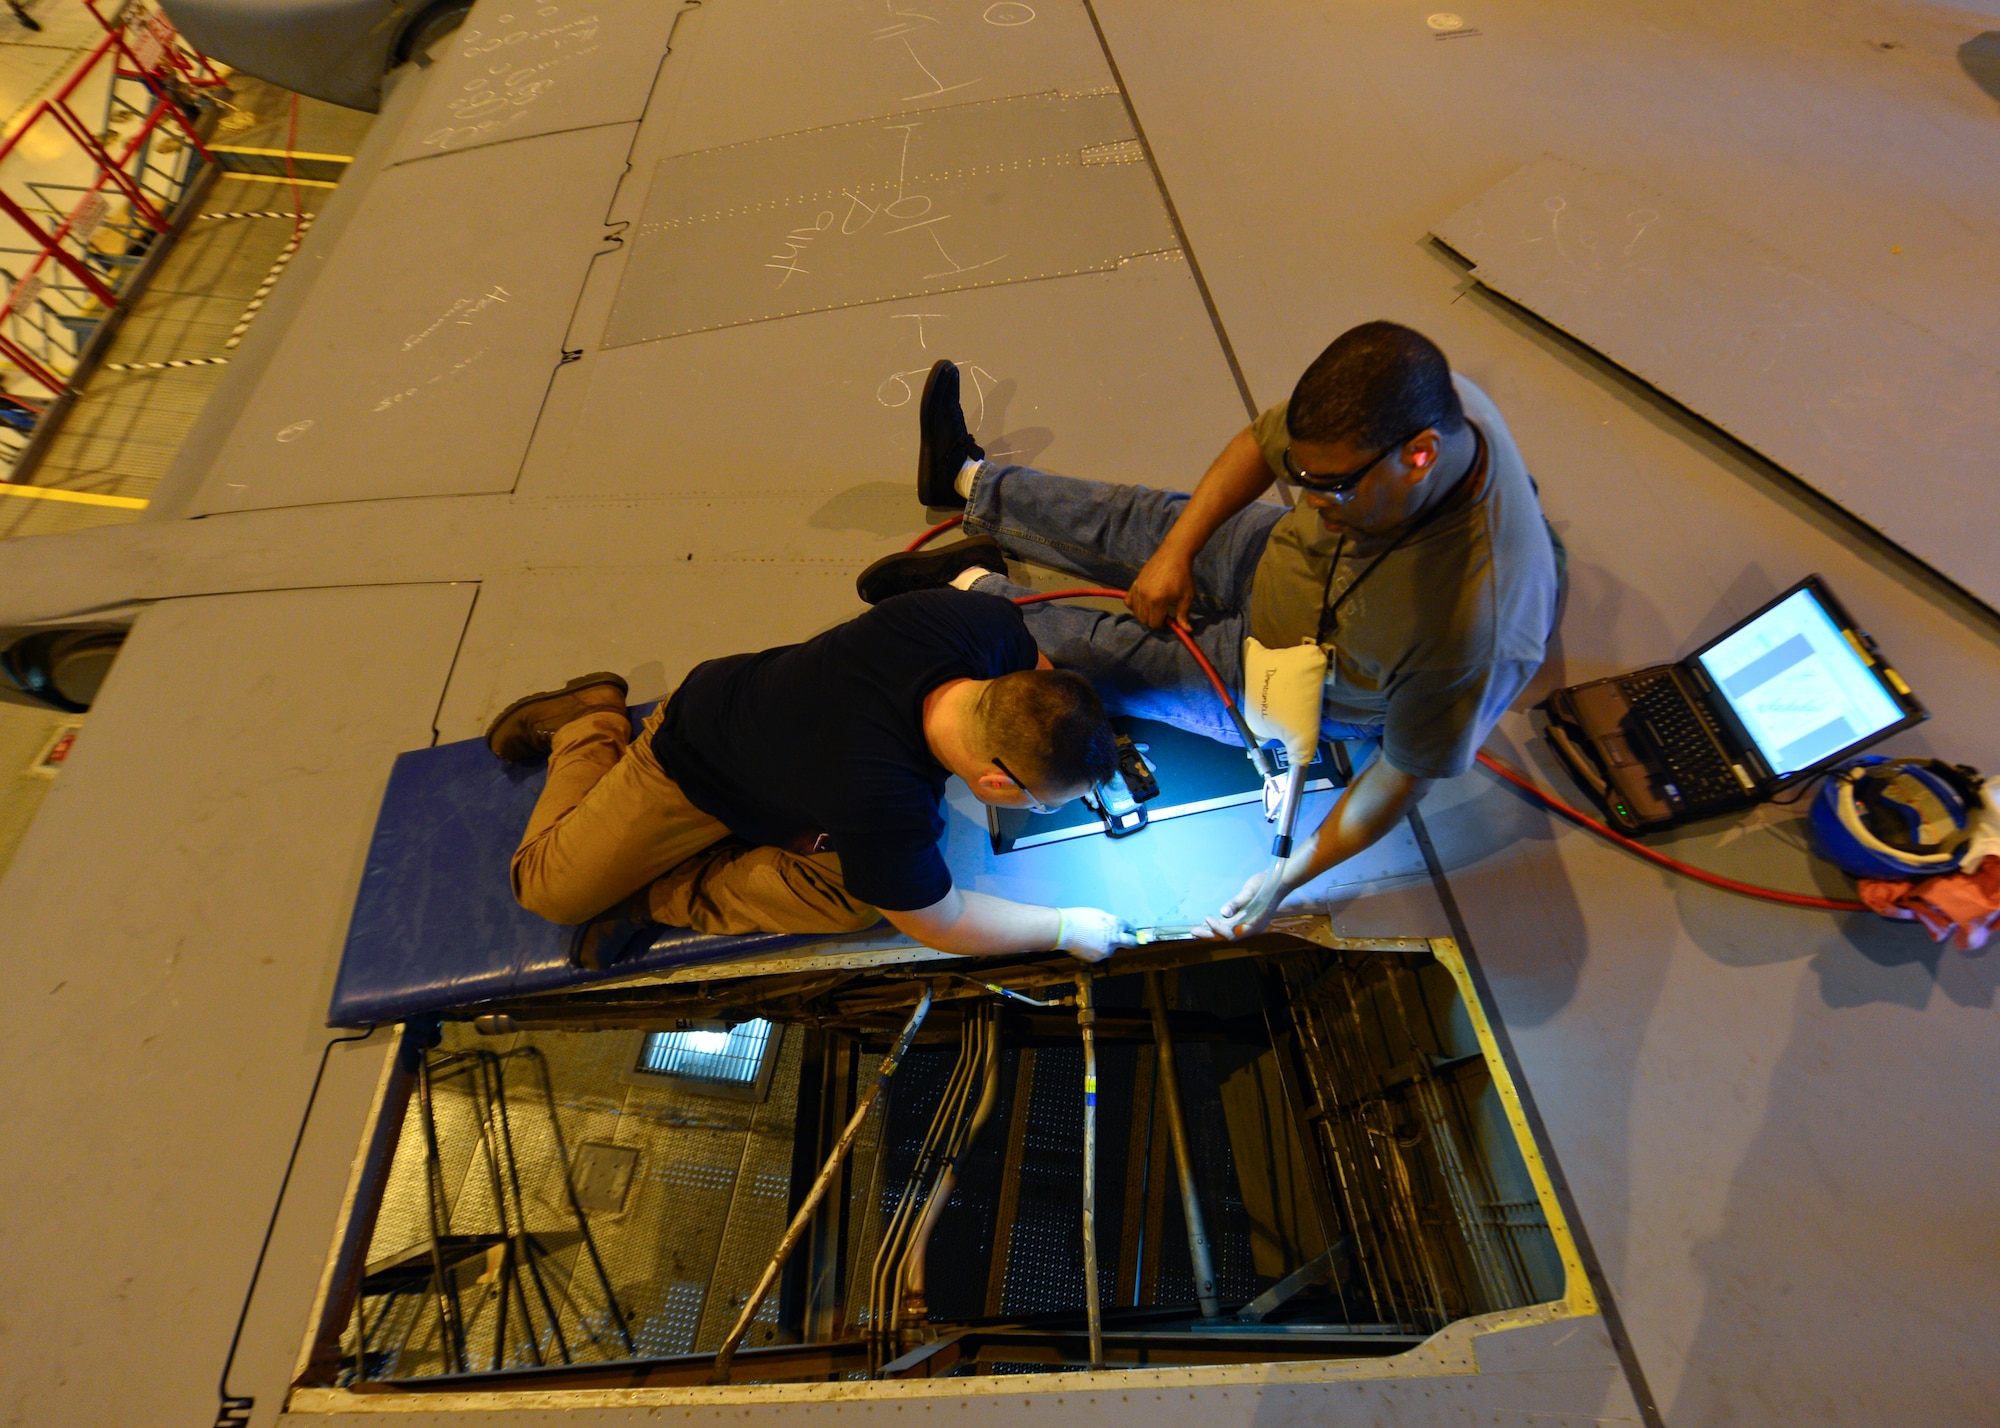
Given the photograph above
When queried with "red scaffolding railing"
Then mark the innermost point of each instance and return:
(93, 203)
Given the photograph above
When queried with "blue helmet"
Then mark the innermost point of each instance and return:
(1895, 818)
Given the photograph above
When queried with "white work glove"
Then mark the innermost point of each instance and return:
(1090, 934)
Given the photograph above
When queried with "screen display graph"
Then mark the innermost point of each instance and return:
(1797, 686)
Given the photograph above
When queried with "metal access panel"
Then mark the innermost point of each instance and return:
(971, 196)
(514, 71)
(424, 375)
(1135, 389)
(752, 69)
(1872, 411)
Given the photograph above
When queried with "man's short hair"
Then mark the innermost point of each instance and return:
(1376, 383)
(1049, 727)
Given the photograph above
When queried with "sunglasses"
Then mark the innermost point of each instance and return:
(1341, 487)
(1035, 805)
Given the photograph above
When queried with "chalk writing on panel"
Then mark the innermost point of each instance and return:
(973, 195)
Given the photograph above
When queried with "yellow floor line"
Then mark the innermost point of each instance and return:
(81, 498)
(275, 178)
(280, 153)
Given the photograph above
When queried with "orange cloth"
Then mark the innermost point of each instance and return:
(1963, 907)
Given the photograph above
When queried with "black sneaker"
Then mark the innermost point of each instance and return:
(909, 570)
(613, 935)
(943, 445)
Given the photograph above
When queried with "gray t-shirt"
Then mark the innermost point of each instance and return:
(1446, 630)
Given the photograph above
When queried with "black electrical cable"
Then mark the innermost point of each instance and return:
(233, 1410)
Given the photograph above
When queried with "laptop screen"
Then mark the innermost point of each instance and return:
(1797, 686)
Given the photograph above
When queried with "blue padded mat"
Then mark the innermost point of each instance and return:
(436, 927)
(435, 924)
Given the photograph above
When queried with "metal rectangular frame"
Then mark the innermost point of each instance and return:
(1448, 1352)
(755, 1090)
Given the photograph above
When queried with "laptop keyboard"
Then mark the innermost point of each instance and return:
(1685, 744)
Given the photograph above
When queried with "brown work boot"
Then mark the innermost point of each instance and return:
(524, 729)
(614, 934)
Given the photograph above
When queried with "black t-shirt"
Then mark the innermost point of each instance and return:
(827, 736)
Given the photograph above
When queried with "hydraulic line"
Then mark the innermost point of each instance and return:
(1009, 994)
(803, 1217)
(885, 1286)
(1170, 1095)
(912, 1305)
(1519, 780)
(1086, 1020)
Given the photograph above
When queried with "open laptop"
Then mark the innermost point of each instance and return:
(1780, 696)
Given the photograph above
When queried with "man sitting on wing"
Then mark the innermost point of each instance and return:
(797, 790)
(1417, 561)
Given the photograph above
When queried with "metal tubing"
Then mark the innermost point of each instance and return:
(1010, 994)
(940, 1196)
(1086, 1019)
(893, 1263)
(1170, 1088)
(884, 1279)
(528, 1249)
(474, 1065)
(796, 1230)
(451, 1331)
(1288, 811)
(516, 1251)
(1489, 1258)
(489, 1145)
(1396, 1170)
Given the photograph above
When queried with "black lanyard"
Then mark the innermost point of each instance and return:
(1329, 619)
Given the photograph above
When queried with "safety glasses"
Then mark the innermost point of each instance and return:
(1340, 488)
(1035, 805)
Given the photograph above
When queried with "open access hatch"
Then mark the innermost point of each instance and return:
(1290, 1149)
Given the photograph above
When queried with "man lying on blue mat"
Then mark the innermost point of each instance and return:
(797, 790)
(1417, 562)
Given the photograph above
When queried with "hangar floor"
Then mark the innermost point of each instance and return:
(1766, 1120)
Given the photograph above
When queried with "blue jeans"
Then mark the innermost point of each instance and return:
(1105, 533)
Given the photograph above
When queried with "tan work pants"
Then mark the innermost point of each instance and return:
(610, 822)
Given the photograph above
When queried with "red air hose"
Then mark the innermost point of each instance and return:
(1631, 845)
(1180, 630)
(933, 533)
(1513, 776)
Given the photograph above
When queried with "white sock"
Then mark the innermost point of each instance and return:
(969, 577)
(963, 485)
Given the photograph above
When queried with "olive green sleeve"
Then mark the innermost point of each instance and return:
(1272, 438)
(1437, 719)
